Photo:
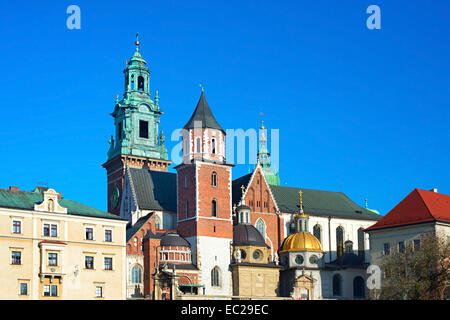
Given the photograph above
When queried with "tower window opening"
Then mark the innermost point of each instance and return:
(198, 145)
(214, 208)
(143, 129)
(119, 131)
(214, 179)
(132, 82)
(141, 83)
(213, 146)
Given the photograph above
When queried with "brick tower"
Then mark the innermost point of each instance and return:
(204, 199)
(136, 118)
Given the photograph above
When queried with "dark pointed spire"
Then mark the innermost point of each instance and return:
(203, 114)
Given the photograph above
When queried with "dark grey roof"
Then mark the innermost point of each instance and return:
(247, 235)
(155, 190)
(243, 207)
(320, 203)
(183, 266)
(203, 114)
(346, 260)
(131, 230)
(174, 239)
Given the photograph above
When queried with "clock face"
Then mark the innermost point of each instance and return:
(114, 197)
(299, 259)
(313, 259)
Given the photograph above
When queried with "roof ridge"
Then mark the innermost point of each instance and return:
(425, 203)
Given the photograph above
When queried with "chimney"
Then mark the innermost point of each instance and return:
(11, 188)
(434, 190)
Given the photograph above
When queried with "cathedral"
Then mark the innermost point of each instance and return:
(200, 233)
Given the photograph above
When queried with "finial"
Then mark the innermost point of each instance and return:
(137, 41)
(366, 202)
(202, 86)
(243, 190)
(262, 121)
(117, 97)
(301, 198)
(126, 63)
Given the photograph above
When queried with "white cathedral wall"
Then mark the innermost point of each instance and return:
(213, 252)
(348, 275)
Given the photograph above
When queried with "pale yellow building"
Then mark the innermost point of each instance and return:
(53, 248)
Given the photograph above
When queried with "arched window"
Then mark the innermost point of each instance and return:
(359, 288)
(215, 277)
(361, 248)
(317, 232)
(213, 146)
(337, 291)
(214, 208)
(136, 274)
(339, 241)
(157, 222)
(141, 83)
(214, 179)
(261, 227)
(132, 82)
(198, 145)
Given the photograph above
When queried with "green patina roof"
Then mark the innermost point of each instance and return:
(320, 203)
(315, 202)
(26, 200)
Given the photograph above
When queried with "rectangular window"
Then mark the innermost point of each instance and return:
(89, 262)
(50, 290)
(185, 182)
(401, 246)
(54, 230)
(46, 291)
(89, 234)
(54, 291)
(17, 227)
(16, 257)
(143, 129)
(99, 292)
(52, 259)
(416, 244)
(46, 230)
(108, 264)
(108, 235)
(387, 249)
(23, 289)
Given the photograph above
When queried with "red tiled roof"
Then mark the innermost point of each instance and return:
(418, 207)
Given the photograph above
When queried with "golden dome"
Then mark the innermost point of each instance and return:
(301, 241)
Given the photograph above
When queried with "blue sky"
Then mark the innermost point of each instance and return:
(359, 110)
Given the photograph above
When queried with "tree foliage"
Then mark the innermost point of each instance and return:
(417, 273)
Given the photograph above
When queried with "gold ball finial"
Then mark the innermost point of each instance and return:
(243, 190)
